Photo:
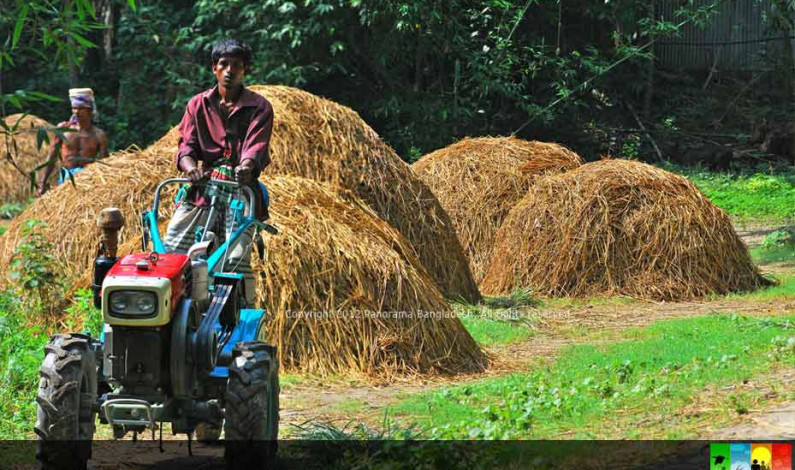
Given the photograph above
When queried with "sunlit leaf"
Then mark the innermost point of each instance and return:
(82, 41)
(23, 15)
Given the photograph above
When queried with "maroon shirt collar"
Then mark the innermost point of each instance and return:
(247, 98)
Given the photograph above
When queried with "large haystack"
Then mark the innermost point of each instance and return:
(126, 180)
(333, 255)
(321, 140)
(14, 186)
(371, 305)
(479, 180)
(617, 227)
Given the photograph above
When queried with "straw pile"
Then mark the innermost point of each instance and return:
(479, 180)
(126, 180)
(334, 254)
(321, 140)
(617, 227)
(336, 260)
(14, 186)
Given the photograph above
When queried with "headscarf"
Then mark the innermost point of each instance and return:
(83, 98)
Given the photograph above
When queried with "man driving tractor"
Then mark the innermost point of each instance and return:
(227, 129)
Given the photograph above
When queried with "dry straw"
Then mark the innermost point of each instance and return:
(617, 227)
(479, 180)
(324, 141)
(349, 293)
(334, 255)
(14, 186)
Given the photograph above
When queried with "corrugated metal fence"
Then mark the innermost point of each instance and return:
(737, 38)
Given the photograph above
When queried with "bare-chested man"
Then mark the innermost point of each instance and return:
(79, 148)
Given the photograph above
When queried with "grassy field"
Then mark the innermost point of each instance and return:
(647, 375)
(754, 197)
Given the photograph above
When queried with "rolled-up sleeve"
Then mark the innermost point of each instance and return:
(188, 135)
(258, 136)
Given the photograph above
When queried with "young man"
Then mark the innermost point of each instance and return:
(79, 148)
(224, 134)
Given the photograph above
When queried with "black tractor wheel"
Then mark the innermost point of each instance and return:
(251, 423)
(65, 411)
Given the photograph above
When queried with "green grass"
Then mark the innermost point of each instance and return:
(652, 371)
(488, 332)
(784, 290)
(757, 196)
(763, 255)
(494, 326)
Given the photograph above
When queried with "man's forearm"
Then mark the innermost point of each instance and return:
(187, 163)
(48, 169)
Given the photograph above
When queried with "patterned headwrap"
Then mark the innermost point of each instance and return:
(83, 98)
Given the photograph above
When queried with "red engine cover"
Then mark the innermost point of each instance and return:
(173, 266)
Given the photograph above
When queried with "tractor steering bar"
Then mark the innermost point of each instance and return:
(230, 184)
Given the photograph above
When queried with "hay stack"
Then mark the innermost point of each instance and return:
(14, 186)
(126, 180)
(333, 254)
(479, 180)
(321, 140)
(617, 227)
(336, 257)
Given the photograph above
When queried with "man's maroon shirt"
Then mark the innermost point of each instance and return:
(245, 135)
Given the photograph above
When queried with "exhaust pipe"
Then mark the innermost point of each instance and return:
(110, 221)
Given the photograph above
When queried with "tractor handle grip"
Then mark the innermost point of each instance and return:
(231, 184)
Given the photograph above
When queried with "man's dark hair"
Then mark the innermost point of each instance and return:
(231, 47)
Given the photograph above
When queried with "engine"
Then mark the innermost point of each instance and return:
(140, 295)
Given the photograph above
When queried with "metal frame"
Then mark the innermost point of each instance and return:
(151, 217)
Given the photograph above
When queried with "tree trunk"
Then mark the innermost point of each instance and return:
(108, 20)
(649, 94)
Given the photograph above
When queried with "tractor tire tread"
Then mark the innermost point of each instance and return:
(249, 441)
(63, 429)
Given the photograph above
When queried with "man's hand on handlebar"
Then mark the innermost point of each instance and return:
(192, 171)
(244, 172)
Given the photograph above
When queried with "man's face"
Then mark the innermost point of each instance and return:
(82, 114)
(229, 71)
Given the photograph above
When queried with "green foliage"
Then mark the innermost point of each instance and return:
(23, 328)
(9, 210)
(500, 320)
(32, 269)
(21, 352)
(778, 238)
(496, 329)
(423, 74)
(656, 369)
(750, 196)
(82, 313)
